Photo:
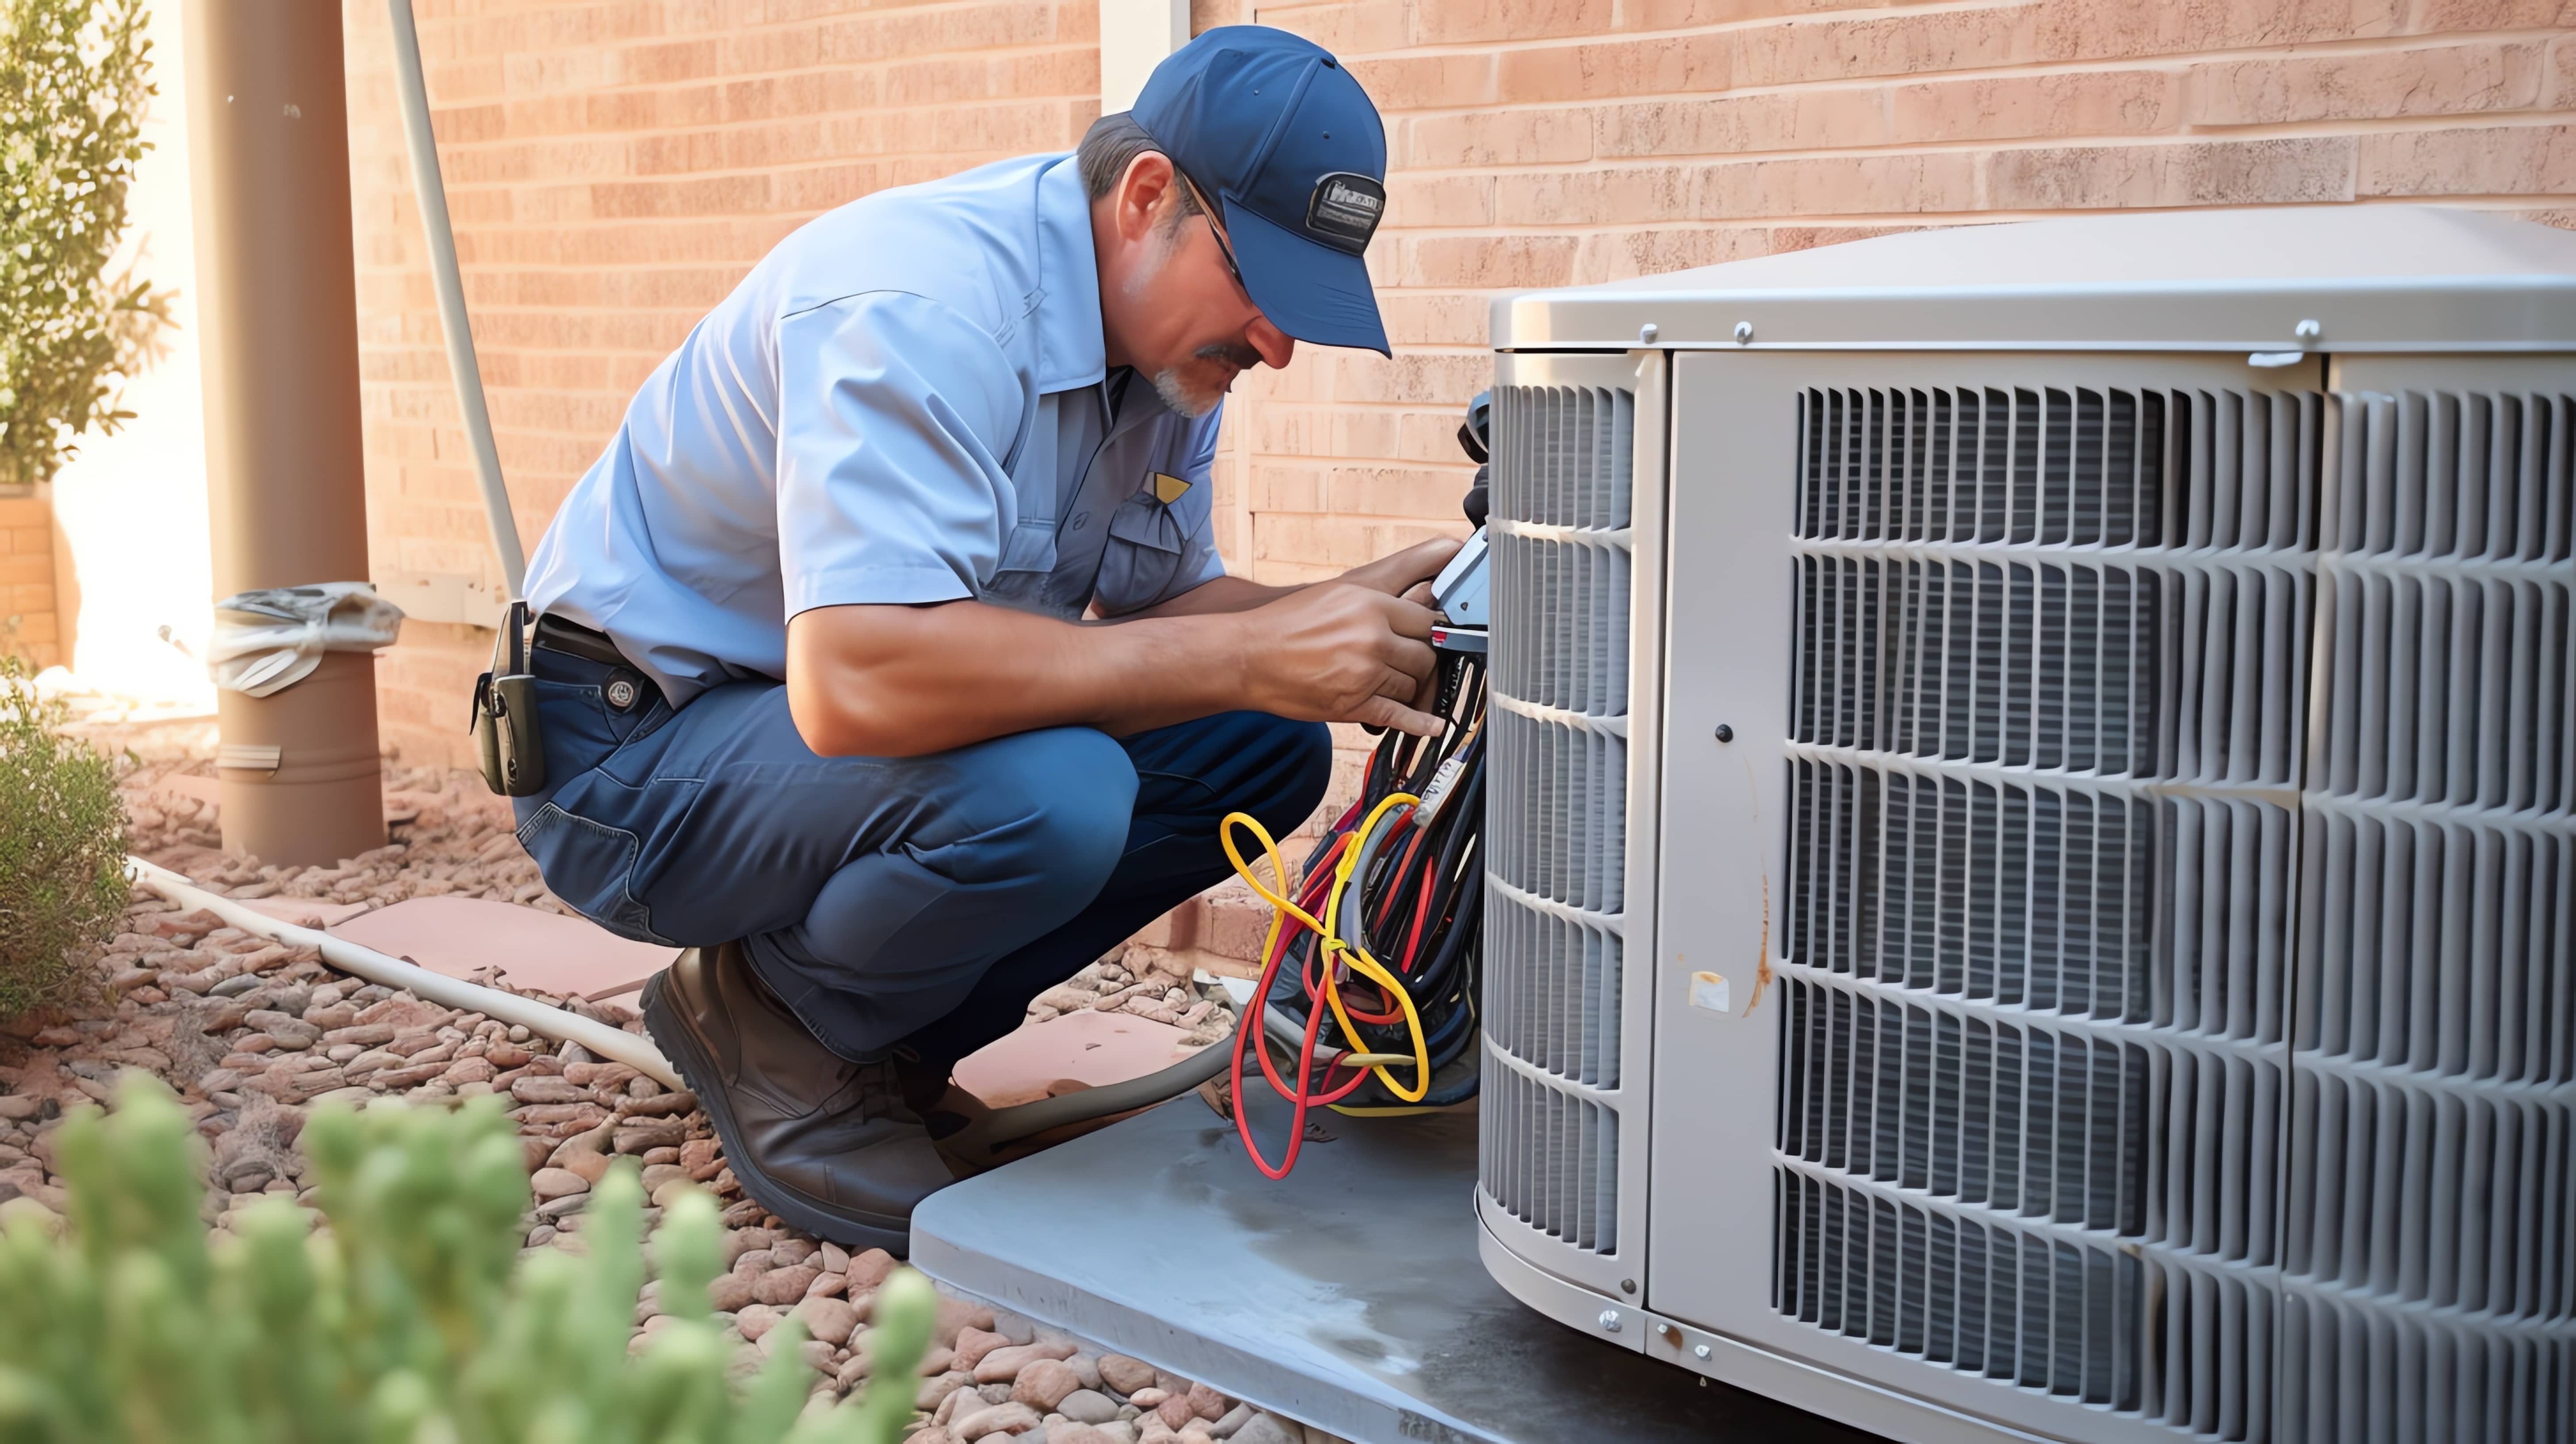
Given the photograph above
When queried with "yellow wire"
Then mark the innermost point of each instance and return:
(1283, 909)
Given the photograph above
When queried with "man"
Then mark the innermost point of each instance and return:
(886, 661)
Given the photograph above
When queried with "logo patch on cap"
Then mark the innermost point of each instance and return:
(1345, 210)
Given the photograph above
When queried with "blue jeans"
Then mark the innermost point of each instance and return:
(891, 899)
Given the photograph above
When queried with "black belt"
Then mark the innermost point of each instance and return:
(575, 640)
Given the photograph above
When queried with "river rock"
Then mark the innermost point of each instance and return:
(1124, 1374)
(1043, 1383)
(1087, 1406)
(1268, 1429)
(554, 1183)
(1001, 1366)
(785, 1286)
(532, 1088)
(993, 1419)
(729, 1293)
(973, 1344)
(869, 1269)
(953, 1315)
(829, 1319)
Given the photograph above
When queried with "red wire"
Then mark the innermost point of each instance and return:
(1250, 1034)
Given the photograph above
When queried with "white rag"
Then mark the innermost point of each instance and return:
(267, 641)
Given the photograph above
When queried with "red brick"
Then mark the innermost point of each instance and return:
(1839, 185)
(2119, 29)
(1734, 125)
(1842, 49)
(2434, 16)
(1617, 69)
(2487, 160)
(1490, 261)
(1362, 28)
(2019, 107)
(1505, 137)
(1426, 82)
(2445, 80)
(1456, 22)
(2194, 173)
(1683, 14)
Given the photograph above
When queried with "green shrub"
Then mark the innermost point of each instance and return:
(62, 849)
(408, 1320)
(75, 76)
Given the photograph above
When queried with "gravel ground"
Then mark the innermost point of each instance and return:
(253, 1034)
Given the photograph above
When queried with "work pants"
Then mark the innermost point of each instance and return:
(886, 900)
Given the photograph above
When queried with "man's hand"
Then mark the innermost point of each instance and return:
(1339, 652)
(1407, 571)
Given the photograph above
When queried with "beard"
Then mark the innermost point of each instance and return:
(1195, 388)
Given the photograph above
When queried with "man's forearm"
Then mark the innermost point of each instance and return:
(1215, 597)
(898, 681)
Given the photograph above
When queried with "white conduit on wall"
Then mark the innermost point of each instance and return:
(614, 1044)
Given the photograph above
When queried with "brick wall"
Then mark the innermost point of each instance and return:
(614, 167)
(29, 627)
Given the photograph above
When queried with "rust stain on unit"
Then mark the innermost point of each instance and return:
(1762, 974)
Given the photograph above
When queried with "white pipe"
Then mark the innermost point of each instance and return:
(614, 1044)
(450, 283)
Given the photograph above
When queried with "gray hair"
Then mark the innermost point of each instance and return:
(1109, 147)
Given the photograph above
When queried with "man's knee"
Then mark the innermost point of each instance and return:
(1059, 803)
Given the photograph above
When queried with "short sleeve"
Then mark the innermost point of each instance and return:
(895, 416)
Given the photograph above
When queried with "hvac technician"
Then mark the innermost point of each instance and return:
(818, 698)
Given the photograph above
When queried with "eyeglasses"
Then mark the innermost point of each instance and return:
(1223, 249)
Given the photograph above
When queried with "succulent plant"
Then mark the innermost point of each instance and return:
(406, 1317)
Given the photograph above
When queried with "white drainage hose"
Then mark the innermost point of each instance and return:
(614, 1044)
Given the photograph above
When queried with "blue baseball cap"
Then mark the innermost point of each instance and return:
(1272, 130)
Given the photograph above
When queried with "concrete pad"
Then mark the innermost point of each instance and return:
(474, 938)
(1350, 1296)
(1087, 1047)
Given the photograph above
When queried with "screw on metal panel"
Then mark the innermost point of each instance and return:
(1646, 334)
(1699, 1351)
(1725, 733)
(1743, 332)
(1627, 1286)
(2307, 330)
(1609, 1321)
(1666, 1330)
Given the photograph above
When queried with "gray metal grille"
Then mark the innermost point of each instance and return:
(2059, 1106)
(2430, 1250)
(1557, 812)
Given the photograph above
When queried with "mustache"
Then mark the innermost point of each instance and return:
(1233, 353)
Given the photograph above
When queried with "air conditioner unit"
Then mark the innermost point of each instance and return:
(2033, 826)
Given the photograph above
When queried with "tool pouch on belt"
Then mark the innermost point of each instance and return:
(505, 714)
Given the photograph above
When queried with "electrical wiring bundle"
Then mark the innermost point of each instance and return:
(1371, 969)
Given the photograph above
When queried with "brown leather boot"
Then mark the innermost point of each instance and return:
(826, 1144)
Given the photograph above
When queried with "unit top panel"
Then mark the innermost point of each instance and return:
(2370, 278)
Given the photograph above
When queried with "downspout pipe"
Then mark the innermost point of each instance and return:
(462, 368)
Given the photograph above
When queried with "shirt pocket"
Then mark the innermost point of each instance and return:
(1142, 555)
(1028, 560)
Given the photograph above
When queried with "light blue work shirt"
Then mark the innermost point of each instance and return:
(907, 401)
